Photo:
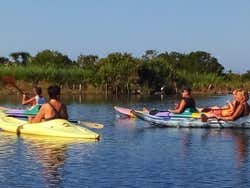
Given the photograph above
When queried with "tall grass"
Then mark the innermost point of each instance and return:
(72, 75)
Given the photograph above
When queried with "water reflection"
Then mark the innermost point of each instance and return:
(15, 100)
(51, 153)
(125, 122)
(240, 138)
(186, 141)
(148, 156)
(241, 143)
(48, 153)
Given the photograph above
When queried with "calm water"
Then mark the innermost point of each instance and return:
(131, 153)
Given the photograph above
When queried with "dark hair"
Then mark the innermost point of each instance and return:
(38, 90)
(54, 91)
(185, 88)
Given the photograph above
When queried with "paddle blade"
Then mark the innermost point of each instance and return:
(8, 80)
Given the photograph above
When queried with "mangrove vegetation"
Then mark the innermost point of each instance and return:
(122, 73)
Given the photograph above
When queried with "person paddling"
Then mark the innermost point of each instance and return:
(187, 101)
(38, 99)
(54, 109)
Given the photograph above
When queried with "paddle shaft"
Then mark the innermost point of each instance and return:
(153, 112)
(88, 124)
(15, 86)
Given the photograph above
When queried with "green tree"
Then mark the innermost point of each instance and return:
(246, 76)
(15, 56)
(3, 60)
(87, 61)
(155, 73)
(118, 71)
(53, 58)
(25, 57)
(203, 62)
(149, 54)
(20, 57)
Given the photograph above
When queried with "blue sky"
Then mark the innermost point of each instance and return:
(74, 27)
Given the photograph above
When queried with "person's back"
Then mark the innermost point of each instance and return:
(246, 110)
(190, 103)
(246, 107)
(53, 109)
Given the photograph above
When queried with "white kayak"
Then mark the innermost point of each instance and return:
(243, 122)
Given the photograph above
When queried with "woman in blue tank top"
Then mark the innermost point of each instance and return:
(38, 99)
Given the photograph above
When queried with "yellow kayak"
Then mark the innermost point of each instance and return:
(56, 127)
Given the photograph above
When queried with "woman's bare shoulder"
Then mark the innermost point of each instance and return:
(45, 106)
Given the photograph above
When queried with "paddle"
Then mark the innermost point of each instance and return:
(88, 124)
(9, 80)
(153, 112)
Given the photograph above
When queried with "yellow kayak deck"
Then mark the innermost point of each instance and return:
(56, 127)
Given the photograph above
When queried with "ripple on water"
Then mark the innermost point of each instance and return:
(131, 153)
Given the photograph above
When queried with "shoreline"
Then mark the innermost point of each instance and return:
(99, 91)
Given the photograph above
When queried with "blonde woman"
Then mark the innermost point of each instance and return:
(226, 110)
(241, 108)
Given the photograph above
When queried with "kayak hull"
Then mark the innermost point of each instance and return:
(192, 122)
(56, 127)
(126, 112)
(23, 112)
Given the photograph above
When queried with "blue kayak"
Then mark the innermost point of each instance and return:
(23, 112)
(191, 122)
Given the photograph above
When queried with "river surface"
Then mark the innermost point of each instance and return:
(130, 153)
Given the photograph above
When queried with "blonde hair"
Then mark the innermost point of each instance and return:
(243, 94)
(235, 91)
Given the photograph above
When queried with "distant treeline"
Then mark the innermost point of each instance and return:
(121, 73)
